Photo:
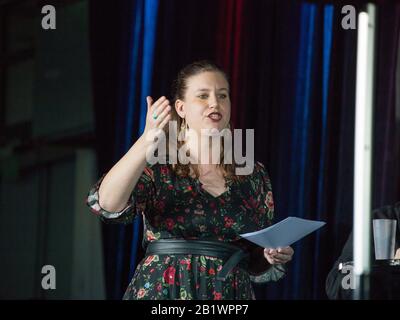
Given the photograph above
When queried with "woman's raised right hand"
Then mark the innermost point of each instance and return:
(158, 114)
(116, 188)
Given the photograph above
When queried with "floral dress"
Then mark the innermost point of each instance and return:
(175, 207)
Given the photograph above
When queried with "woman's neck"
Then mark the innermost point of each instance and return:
(203, 151)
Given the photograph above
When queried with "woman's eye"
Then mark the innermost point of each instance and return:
(220, 96)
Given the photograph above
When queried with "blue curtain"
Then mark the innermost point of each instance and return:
(300, 143)
(137, 70)
(321, 194)
(298, 163)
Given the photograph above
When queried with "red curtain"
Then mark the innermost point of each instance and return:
(230, 51)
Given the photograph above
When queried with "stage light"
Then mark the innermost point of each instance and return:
(363, 149)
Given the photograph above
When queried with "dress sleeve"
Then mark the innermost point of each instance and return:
(140, 200)
(260, 270)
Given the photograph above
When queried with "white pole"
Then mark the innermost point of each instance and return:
(363, 144)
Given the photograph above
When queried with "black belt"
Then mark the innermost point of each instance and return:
(218, 249)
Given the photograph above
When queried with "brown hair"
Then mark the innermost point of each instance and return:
(179, 87)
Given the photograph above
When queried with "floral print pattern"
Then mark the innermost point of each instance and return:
(179, 208)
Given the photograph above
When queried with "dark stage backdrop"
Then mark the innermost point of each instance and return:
(292, 75)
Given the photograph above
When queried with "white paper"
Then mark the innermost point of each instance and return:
(283, 233)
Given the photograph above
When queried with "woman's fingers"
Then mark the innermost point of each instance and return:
(149, 102)
(160, 109)
(164, 117)
(165, 121)
(273, 260)
(279, 261)
(284, 253)
(157, 112)
(283, 257)
(158, 103)
(278, 256)
(286, 250)
(161, 119)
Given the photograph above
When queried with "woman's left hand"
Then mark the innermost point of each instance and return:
(278, 256)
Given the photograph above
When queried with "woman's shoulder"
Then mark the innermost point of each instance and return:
(259, 179)
(259, 167)
(259, 170)
(259, 173)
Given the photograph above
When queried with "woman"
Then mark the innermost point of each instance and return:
(193, 213)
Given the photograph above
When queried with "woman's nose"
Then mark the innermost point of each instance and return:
(213, 102)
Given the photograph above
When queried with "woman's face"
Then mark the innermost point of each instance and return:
(206, 104)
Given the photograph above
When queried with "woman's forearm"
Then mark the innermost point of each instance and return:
(119, 182)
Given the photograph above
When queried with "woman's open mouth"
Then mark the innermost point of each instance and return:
(215, 116)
